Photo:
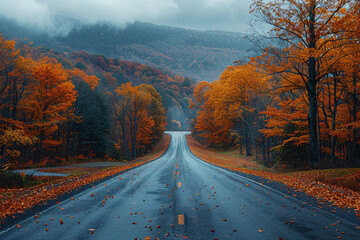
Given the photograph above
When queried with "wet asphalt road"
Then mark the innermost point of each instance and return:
(176, 197)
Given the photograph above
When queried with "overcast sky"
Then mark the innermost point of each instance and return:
(227, 15)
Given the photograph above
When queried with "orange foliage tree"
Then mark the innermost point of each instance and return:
(15, 78)
(313, 34)
(228, 109)
(140, 115)
(49, 103)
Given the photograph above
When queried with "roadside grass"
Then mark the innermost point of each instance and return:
(74, 171)
(17, 200)
(221, 158)
(158, 150)
(337, 186)
(230, 157)
(343, 177)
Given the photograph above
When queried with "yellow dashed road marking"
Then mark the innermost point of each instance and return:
(181, 219)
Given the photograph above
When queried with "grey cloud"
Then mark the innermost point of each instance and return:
(197, 14)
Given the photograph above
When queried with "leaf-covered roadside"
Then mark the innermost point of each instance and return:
(14, 201)
(337, 195)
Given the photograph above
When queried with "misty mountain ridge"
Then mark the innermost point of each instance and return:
(200, 55)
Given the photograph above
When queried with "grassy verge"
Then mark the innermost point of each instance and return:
(224, 159)
(74, 170)
(347, 178)
(334, 186)
(15, 201)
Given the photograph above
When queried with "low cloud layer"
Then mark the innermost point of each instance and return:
(57, 15)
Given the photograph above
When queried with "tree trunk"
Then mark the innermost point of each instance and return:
(125, 140)
(39, 148)
(333, 123)
(312, 91)
(355, 151)
(247, 144)
(134, 142)
(263, 147)
(67, 140)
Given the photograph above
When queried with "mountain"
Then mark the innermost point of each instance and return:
(199, 55)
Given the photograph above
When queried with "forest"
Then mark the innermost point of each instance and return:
(297, 104)
(56, 106)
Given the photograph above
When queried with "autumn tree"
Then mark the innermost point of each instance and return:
(310, 31)
(230, 110)
(51, 99)
(120, 103)
(15, 76)
(15, 79)
(156, 110)
(139, 112)
(206, 124)
(11, 141)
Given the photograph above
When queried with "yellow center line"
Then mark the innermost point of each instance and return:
(181, 219)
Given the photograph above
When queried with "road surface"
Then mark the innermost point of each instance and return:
(179, 196)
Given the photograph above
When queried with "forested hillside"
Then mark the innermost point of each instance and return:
(174, 89)
(56, 106)
(199, 55)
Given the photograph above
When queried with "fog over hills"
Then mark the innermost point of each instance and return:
(200, 55)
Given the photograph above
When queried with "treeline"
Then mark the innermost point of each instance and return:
(51, 112)
(298, 103)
